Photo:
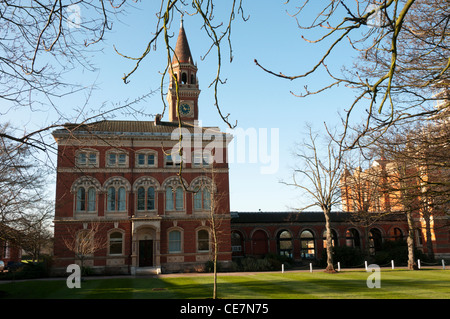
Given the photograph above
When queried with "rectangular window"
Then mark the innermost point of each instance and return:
(168, 160)
(169, 198)
(91, 199)
(111, 206)
(151, 160)
(151, 198)
(174, 241)
(141, 198)
(92, 159)
(141, 159)
(115, 244)
(122, 159)
(121, 201)
(112, 159)
(82, 159)
(198, 200)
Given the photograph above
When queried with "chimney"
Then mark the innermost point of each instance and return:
(157, 119)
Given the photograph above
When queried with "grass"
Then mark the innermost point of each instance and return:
(395, 284)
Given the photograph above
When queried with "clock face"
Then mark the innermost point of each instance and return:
(185, 109)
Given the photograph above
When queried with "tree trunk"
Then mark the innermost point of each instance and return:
(430, 251)
(330, 267)
(410, 241)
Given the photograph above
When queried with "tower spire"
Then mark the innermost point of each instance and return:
(185, 75)
(182, 51)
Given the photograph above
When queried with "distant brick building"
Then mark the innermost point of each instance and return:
(123, 177)
(389, 187)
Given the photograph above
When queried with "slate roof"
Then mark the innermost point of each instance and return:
(129, 128)
(298, 217)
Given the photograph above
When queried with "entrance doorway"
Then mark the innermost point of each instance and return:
(145, 253)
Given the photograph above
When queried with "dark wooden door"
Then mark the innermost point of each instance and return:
(145, 253)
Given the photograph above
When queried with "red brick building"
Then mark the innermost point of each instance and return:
(123, 179)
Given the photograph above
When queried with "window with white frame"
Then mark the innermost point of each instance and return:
(202, 199)
(175, 241)
(116, 158)
(85, 190)
(174, 198)
(202, 240)
(116, 243)
(86, 199)
(86, 158)
(146, 158)
(172, 160)
(116, 199)
(145, 198)
(201, 159)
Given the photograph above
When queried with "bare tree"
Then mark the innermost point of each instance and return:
(320, 170)
(84, 243)
(364, 191)
(403, 56)
(418, 175)
(42, 42)
(21, 180)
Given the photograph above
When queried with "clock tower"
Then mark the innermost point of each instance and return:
(185, 72)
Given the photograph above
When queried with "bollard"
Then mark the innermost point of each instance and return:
(443, 264)
(282, 268)
(339, 266)
(365, 263)
(310, 267)
(392, 263)
(418, 263)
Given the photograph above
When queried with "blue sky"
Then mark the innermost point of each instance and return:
(254, 98)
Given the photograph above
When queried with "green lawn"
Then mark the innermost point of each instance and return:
(401, 284)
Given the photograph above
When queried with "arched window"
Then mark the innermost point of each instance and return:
(175, 241)
(202, 240)
(307, 245)
(183, 78)
(121, 199)
(141, 198)
(81, 199)
(192, 78)
(91, 200)
(375, 240)
(236, 242)
(116, 243)
(284, 243)
(111, 199)
(146, 198)
(352, 238)
(116, 199)
(202, 199)
(174, 200)
(179, 199)
(85, 190)
(169, 198)
(86, 201)
(150, 198)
